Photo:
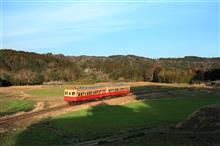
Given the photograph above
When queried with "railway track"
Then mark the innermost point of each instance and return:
(9, 120)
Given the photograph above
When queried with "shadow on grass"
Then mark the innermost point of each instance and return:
(105, 120)
(160, 92)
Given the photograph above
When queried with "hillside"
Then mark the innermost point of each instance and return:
(21, 68)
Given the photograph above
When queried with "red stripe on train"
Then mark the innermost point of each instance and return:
(88, 97)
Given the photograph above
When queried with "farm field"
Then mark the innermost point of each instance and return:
(17, 98)
(25, 98)
(151, 111)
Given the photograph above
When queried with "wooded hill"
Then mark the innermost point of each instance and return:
(21, 68)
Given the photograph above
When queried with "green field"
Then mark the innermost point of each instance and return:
(170, 139)
(16, 100)
(107, 120)
(47, 93)
(11, 106)
(90, 123)
(11, 102)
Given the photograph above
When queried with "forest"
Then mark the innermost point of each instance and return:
(28, 68)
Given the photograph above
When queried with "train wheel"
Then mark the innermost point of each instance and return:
(70, 102)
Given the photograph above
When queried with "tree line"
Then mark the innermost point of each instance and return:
(28, 68)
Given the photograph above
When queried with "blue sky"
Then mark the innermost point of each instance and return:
(102, 28)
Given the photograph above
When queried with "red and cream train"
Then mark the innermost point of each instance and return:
(85, 93)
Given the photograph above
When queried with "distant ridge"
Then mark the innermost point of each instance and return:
(21, 68)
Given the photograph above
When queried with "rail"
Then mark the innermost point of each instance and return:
(31, 114)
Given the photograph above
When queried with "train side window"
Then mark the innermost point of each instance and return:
(66, 93)
(69, 93)
(73, 93)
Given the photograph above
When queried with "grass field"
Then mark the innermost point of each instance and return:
(51, 95)
(47, 93)
(16, 99)
(12, 106)
(107, 120)
(138, 114)
(169, 139)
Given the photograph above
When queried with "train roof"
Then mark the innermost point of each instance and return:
(98, 87)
